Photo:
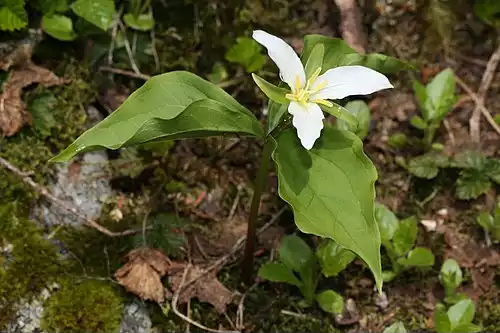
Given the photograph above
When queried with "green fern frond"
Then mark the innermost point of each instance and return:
(12, 15)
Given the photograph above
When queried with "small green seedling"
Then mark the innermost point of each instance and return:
(248, 53)
(333, 258)
(488, 11)
(397, 327)
(490, 223)
(457, 319)
(362, 113)
(298, 266)
(435, 101)
(451, 278)
(398, 238)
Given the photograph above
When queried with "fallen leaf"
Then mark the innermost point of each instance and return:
(142, 273)
(207, 288)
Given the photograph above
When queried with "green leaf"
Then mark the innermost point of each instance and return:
(426, 166)
(12, 15)
(405, 236)
(341, 113)
(469, 328)
(143, 22)
(442, 323)
(41, 112)
(362, 113)
(331, 191)
(333, 258)
(418, 257)
(100, 13)
(59, 27)
(273, 92)
(276, 113)
(330, 301)
(219, 73)
(461, 313)
(387, 222)
(398, 140)
(440, 96)
(420, 95)
(471, 184)
(295, 253)
(485, 220)
(450, 274)
(169, 106)
(49, 7)
(488, 11)
(492, 169)
(315, 60)
(278, 272)
(418, 122)
(248, 53)
(397, 327)
(469, 159)
(388, 276)
(376, 61)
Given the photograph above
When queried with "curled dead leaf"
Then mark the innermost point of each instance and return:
(142, 273)
(207, 288)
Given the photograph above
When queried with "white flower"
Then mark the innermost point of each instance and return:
(308, 93)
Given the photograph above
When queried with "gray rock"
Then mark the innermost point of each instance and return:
(135, 319)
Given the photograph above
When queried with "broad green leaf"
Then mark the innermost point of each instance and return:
(388, 276)
(398, 140)
(450, 274)
(273, 92)
(315, 60)
(362, 113)
(418, 122)
(425, 166)
(12, 15)
(143, 22)
(169, 106)
(485, 220)
(488, 11)
(100, 13)
(333, 258)
(278, 272)
(49, 7)
(330, 301)
(471, 184)
(442, 323)
(469, 328)
(469, 159)
(248, 53)
(335, 50)
(421, 96)
(276, 113)
(295, 253)
(41, 113)
(397, 327)
(440, 95)
(461, 313)
(492, 169)
(418, 257)
(59, 27)
(376, 61)
(331, 191)
(387, 222)
(405, 235)
(341, 113)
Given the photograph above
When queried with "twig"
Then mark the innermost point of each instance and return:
(44, 192)
(154, 50)
(489, 73)
(175, 299)
(350, 24)
(235, 202)
(479, 103)
(241, 308)
(129, 50)
(450, 133)
(124, 72)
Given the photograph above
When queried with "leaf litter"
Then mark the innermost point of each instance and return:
(13, 113)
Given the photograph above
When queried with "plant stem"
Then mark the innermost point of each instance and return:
(259, 186)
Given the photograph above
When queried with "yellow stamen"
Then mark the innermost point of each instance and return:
(302, 94)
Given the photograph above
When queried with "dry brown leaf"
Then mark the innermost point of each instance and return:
(142, 273)
(207, 288)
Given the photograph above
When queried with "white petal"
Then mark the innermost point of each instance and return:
(283, 56)
(350, 80)
(308, 120)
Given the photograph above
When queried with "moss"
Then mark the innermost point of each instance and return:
(32, 264)
(90, 306)
(488, 316)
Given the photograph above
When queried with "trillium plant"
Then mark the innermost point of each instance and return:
(323, 173)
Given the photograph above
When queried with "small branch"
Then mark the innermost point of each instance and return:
(125, 72)
(44, 192)
(479, 103)
(350, 24)
(488, 75)
(129, 50)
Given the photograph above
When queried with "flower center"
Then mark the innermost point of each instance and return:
(302, 94)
